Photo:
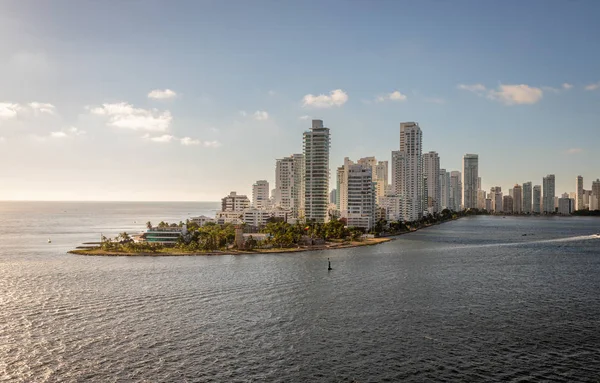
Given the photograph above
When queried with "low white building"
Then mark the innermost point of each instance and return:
(234, 202)
(256, 217)
(233, 217)
(202, 220)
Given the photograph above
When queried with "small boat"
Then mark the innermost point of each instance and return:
(49, 241)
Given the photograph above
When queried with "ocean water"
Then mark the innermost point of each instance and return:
(470, 300)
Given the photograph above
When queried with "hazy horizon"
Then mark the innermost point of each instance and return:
(156, 101)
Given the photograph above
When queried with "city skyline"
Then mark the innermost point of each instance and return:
(98, 114)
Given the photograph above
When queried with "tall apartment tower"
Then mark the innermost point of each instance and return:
(455, 190)
(579, 193)
(260, 194)
(537, 199)
(289, 184)
(548, 194)
(360, 211)
(470, 177)
(595, 197)
(316, 172)
(342, 185)
(527, 201)
(517, 199)
(444, 189)
(381, 178)
(431, 170)
(411, 141)
(397, 172)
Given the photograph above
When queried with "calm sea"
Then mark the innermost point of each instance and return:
(471, 300)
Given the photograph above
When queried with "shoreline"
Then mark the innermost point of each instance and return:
(97, 252)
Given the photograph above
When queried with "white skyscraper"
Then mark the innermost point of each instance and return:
(342, 185)
(444, 189)
(455, 190)
(537, 199)
(397, 172)
(517, 199)
(289, 184)
(496, 198)
(527, 195)
(579, 193)
(595, 197)
(360, 211)
(411, 140)
(431, 170)
(260, 194)
(469, 184)
(381, 178)
(316, 172)
(548, 194)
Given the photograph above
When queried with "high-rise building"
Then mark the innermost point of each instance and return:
(537, 199)
(411, 140)
(234, 202)
(595, 196)
(527, 202)
(548, 194)
(431, 170)
(342, 185)
(289, 184)
(579, 193)
(455, 190)
(469, 184)
(481, 196)
(397, 172)
(507, 204)
(381, 178)
(517, 199)
(333, 197)
(361, 197)
(444, 189)
(564, 205)
(496, 197)
(316, 172)
(260, 194)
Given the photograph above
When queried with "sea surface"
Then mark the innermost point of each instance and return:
(472, 300)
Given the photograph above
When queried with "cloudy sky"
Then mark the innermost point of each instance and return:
(188, 100)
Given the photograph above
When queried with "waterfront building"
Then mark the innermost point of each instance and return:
(381, 178)
(234, 202)
(586, 198)
(496, 197)
(164, 235)
(256, 218)
(537, 199)
(289, 184)
(595, 195)
(260, 194)
(202, 220)
(579, 193)
(411, 147)
(481, 197)
(517, 199)
(361, 197)
(469, 183)
(342, 185)
(392, 205)
(507, 204)
(397, 173)
(527, 195)
(488, 204)
(548, 194)
(444, 189)
(455, 190)
(564, 205)
(431, 172)
(316, 143)
(233, 217)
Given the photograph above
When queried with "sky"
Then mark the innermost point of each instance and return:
(189, 100)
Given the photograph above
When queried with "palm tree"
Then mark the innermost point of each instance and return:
(149, 225)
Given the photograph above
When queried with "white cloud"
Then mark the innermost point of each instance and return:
(516, 94)
(475, 88)
(305, 117)
(40, 107)
(162, 139)
(8, 110)
(336, 97)
(124, 115)
(593, 86)
(75, 132)
(58, 134)
(574, 151)
(394, 96)
(261, 115)
(211, 144)
(567, 86)
(550, 89)
(160, 94)
(187, 141)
